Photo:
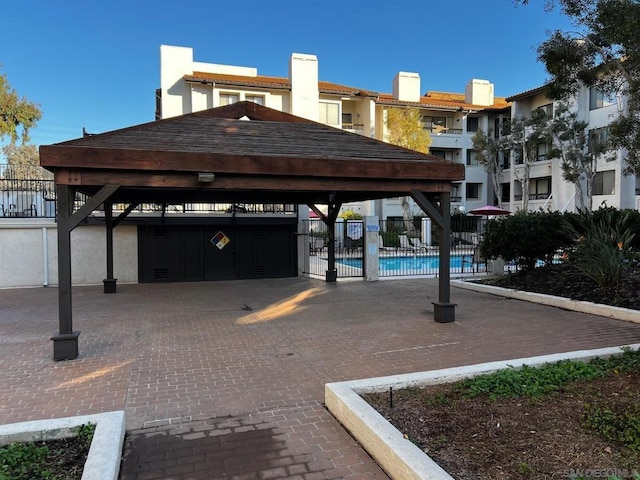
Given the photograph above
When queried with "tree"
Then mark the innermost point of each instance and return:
(23, 163)
(526, 135)
(488, 149)
(578, 152)
(603, 53)
(404, 128)
(17, 115)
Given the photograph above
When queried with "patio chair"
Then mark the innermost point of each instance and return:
(405, 244)
(317, 244)
(381, 246)
(419, 244)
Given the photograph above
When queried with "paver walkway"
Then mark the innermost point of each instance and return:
(225, 379)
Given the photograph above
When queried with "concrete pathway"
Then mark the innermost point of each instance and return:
(224, 380)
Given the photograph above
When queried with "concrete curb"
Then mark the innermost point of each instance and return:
(617, 313)
(400, 458)
(103, 461)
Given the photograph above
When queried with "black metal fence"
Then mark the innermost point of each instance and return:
(348, 248)
(26, 191)
(404, 250)
(408, 249)
(29, 191)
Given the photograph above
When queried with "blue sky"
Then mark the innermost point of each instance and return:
(95, 64)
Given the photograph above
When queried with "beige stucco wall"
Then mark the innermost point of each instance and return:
(29, 256)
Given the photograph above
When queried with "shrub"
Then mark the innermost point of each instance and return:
(602, 246)
(525, 238)
(609, 215)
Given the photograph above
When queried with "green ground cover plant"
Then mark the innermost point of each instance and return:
(47, 460)
(558, 420)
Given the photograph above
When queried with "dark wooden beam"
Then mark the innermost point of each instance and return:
(109, 282)
(55, 156)
(393, 186)
(444, 310)
(91, 204)
(65, 343)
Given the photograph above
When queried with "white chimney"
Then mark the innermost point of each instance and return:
(406, 87)
(175, 62)
(303, 75)
(479, 92)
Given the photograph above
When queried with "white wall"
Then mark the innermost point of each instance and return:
(27, 243)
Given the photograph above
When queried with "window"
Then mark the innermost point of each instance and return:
(434, 124)
(445, 154)
(598, 138)
(540, 188)
(506, 192)
(505, 126)
(228, 98)
(455, 192)
(506, 159)
(541, 152)
(347, 118)
(259, 99)
(518, 155)
(496, 128)
(472, 158)
(473, 191)
(472, 124)
(329, 113)
(548, 110)
(604, 183)
(598, 99)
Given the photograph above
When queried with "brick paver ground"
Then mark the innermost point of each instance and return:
(225, 379)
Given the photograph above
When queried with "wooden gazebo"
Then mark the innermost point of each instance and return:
(243, 153)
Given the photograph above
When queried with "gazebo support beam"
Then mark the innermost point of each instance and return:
(331, 274)
(109, 282)
(65, 343)
(443, 310)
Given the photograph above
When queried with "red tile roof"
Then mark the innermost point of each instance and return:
(438, 100)
(442, 100)
(262, 81)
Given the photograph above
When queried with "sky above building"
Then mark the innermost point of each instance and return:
(95, 64)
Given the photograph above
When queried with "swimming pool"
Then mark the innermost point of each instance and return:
(413, 264)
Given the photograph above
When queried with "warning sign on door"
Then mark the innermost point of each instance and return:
(220, 240)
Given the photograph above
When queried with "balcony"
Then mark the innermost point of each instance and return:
(532, 196)
(354, 128)
(438, 130)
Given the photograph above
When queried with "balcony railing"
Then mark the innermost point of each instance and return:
(440, 130)
(29, 191)
(354, 127)
(532, 196)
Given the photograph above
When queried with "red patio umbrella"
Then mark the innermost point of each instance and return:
(489, 210)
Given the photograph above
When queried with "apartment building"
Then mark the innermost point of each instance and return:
(452, 118)
(547, 188)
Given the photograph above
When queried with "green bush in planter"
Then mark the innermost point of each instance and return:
(525, 238)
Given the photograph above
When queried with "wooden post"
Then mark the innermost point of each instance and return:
(109, 282)
(330, 220)
(443, 309)
(65, 344)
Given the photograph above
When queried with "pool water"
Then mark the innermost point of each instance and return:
(411, 263)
